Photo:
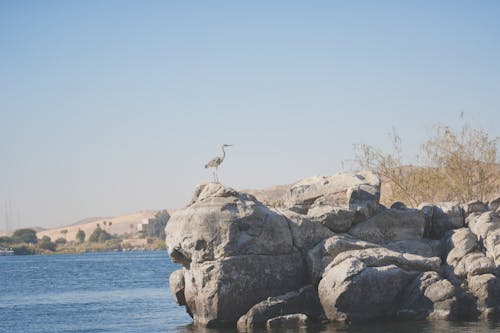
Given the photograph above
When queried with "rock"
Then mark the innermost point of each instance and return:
(380, 256)
(474, 206)
(352, 292)
(305, 233)
(424, 247)
(482, 224)
(235, 251)
(431, 297)
(220, 292)
(319, 257)
(428, 210)
(288, 321)
(305, 301)
(486, 290)
(221, 222)
(391, 225)
(464, 255)
(460, 242)
(336, 201)
(398, 205)
(494, 203)
(475, 263)
(486, 227)
(446, 216)
(177, 286)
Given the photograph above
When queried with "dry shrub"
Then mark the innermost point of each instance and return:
(453, 166)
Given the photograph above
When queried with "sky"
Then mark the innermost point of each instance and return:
(111, 107)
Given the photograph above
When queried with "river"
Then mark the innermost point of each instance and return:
(124, 293)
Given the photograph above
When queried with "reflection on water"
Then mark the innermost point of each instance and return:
(126, 293)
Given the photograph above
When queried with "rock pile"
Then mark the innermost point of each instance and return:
(332, 252)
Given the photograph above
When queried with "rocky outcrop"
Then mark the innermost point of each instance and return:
(331, 251)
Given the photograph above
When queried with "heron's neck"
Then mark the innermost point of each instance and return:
(223, 153)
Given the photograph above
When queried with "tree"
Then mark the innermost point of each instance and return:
(80, 236)
(6, 240)
(61, 241)
(64, 232)
(46, 244)
(25, 236)
(99, 235)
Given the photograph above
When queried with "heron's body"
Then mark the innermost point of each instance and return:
(216, 161)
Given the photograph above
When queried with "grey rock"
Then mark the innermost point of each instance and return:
(288, 321)
(352, 292)
(464, 255)
(486, 227)
(431, 297)
(424, 247)
(398, 205)
(221, 222)
(446, 216)
(305, 301)
(494, 203)
(177, 286)
(460, 242)
(486, 290)
(305, 233)
(474, 206)
(319, 257)
(377, 257)
(220, 292)
(337, 201)
(428, 210)
(391, 225)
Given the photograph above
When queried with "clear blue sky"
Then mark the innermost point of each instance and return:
(109, 107)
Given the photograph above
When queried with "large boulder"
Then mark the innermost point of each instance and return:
(236, 252)
(221, 222)
(337, 201)
(391, 225)
(367, 283)
(220, 292)
(353, 292)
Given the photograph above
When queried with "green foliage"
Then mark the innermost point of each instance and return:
(23, 250)
(46, 244)
(61, 241)
(6, 240)
(156, 225)
(25, 236)
(99, 235)
(80, 236)
(453, 166)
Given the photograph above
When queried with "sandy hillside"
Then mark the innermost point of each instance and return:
(119, 225)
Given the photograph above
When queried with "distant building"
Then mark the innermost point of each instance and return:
(144, 226)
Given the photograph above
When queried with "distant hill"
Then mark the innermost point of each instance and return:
(118, 225)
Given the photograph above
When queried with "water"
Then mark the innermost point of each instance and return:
(126, 292)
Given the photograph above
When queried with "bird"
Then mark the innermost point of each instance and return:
(216, 161)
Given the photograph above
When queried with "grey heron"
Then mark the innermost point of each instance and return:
(216, 161)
